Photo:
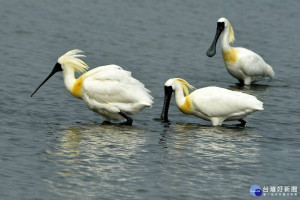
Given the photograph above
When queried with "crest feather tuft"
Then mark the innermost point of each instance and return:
(185, 86)
(231, 33)
(71, 58)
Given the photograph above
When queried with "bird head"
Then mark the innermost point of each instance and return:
(171, 86)
(69, 60)
(222, 24)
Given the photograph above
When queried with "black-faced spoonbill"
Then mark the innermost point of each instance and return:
(210, 103)
(108, 90)
(243, 64)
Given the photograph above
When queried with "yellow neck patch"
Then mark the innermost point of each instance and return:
(186, 106)
(77, 87)
(230, 55)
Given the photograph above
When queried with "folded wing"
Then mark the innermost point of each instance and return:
(114, 86)
(218, 102)
(253, 65)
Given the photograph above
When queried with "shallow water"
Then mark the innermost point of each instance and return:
(53, 147)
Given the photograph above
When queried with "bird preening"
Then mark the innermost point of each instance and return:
(243, 64)
(107, 90)
(114, 94)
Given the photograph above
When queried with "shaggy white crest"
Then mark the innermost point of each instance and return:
(71, 59)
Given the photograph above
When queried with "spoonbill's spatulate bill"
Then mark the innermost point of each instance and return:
(243, 64)
(108, 90)
(210, 103)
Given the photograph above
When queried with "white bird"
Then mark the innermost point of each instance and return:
(210, 103)
(108, 90)
(243, 64)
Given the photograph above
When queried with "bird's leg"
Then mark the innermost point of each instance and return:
(243, 123)
(241, 82)
(247, 80)
(128, 119)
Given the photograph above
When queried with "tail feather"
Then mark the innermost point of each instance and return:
(259, 105)
(270, 72)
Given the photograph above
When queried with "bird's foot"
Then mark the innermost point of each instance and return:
(106, 123)
(128, 122)
(242, 124)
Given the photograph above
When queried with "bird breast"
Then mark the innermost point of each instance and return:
(230, 55)
(186, 106)
(77, 87)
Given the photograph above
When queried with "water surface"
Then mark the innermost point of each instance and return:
(53, 147)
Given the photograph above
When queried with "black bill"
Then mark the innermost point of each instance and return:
(212, 49)
(57, 68)
(168, 95)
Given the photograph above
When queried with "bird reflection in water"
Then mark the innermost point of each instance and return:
(78, 141)
(232, 143)
(250, 89)
(87, 155)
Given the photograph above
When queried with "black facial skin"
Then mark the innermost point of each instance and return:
(212, 49)
(168, 95)
(57, 68)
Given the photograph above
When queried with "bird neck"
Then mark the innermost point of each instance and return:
(182, 102)
(73, 85)
(225, 39)
(69, 77)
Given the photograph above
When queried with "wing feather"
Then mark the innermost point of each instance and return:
(253, 64)
(218, 102)
(112, 85)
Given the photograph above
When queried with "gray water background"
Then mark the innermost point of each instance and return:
(53, 147)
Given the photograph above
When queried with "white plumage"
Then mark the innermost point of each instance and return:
(213, 103)
(243, 64)
(253, 68)
(219, 104)
(108, 90)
